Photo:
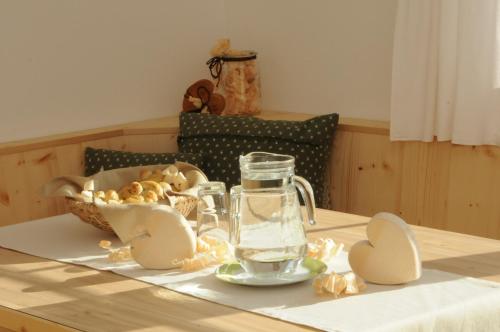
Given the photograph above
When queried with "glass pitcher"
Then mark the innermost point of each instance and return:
(266, 228)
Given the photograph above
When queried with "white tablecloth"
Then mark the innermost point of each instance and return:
(439, 301)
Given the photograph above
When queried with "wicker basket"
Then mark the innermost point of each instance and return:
(89, 212)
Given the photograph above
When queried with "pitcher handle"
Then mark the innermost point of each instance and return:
(234, 214)
(307, 194)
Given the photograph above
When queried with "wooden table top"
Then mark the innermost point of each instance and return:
(38, 294)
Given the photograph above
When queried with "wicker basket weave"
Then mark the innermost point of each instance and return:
(89, 212)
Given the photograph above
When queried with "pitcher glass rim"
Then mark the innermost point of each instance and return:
(255, 161)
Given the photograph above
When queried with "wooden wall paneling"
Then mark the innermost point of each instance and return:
(116, 143)
(493, 194)
(414, 174)
(487, 205)
(136, 143)
(459, 197)
(41, 166)
(69, 159)
(23, 174)
(340, 170)
(435, 185)
(16, 184)
(375, 174)
(474, 190)
(151, 143)
(5, 196)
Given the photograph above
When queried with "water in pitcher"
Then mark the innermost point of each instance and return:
(270, 261)
(271, 235)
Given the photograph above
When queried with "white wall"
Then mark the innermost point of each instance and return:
(67, 65)
(319, 56)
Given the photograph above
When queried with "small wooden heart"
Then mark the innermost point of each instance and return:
(390, 256)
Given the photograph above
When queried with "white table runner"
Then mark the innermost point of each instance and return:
(439, 301)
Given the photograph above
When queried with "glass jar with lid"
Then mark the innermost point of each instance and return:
(238, 80)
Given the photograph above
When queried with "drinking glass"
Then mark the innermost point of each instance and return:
(212, 212)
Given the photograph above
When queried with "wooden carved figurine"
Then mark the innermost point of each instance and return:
(200, 97)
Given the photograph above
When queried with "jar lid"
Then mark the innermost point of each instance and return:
(247, 55)
(215, 63)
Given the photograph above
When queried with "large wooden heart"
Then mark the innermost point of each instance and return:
(390, 255)
(159, 236)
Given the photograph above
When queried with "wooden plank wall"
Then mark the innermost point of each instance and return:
(22, 174)
(438, 185)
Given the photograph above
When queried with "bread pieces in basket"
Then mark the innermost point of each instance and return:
(173, 185)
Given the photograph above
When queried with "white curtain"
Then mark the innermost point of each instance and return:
(446, 71)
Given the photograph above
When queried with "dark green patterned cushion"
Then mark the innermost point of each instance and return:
(222, 139)
(102, 159)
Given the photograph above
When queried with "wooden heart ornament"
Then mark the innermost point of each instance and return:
(158, 234)
(390, 256)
